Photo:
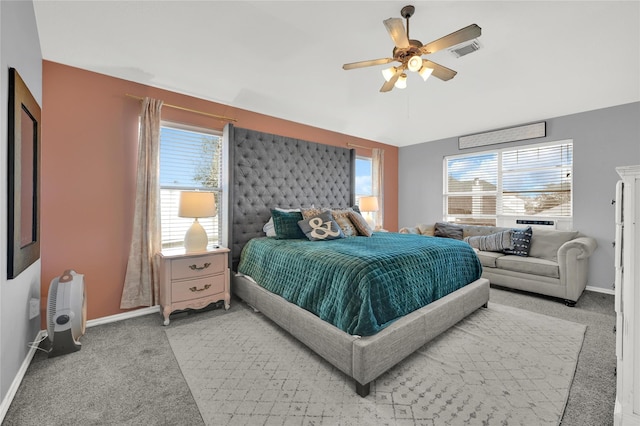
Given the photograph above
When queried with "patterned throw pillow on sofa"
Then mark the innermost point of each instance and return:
(499, 241)
(521, 239)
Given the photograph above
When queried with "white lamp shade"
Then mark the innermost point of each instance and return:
(369, 204)
(401, 82)
(425, 72)
(387, 73)
(197, 204)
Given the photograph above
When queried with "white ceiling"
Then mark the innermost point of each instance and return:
(539, 59)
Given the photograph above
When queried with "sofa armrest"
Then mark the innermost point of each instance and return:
(573, 260)
(585, 246)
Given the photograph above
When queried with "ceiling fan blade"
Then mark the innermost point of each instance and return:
(397, 32)
(460, 36)
(370, 63)
(443, 73)
(388, 85)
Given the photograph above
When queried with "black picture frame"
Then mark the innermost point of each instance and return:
(23, 177)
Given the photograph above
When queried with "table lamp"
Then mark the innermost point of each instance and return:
(369, 205)
(196, 204)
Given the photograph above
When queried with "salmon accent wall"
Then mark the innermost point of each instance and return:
(89, 153)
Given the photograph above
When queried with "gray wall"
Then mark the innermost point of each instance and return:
(20, 49)
(602, 140)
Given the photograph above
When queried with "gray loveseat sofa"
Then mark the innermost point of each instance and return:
(549, 262)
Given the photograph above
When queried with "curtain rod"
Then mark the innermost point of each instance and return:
(357, 146)
(219, 117)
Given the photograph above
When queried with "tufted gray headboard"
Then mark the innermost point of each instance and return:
(267, 171)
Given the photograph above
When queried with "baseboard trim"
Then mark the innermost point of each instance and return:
(600, 290)
(123, 316)
(13, 389)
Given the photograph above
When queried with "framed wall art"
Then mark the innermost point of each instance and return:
(23, 177)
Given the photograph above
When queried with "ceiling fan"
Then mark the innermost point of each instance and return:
(408, 52)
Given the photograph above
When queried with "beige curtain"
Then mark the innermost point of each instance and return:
(377, 178)
(141, 281)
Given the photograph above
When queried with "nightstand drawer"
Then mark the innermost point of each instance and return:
(201, 287)
(193, 267)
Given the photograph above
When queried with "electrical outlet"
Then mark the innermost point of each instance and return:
(34, 308)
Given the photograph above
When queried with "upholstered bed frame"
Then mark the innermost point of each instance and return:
(266, 171)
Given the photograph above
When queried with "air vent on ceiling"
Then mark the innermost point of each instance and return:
(465, 48)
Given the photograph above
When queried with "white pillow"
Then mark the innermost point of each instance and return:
(269, 228)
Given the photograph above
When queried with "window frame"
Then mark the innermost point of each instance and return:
(501, 218)
(211, 234)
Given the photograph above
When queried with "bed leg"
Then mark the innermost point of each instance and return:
(363, 390)
(486, 305)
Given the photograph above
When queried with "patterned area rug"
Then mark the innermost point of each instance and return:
(499, 366)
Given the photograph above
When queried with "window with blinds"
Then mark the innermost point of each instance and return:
(532, 181)
(190, 159)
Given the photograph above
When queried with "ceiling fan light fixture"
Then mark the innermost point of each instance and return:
(401, 83)
(425, 72)
(408, 52)
(415, 63)
(387, 73)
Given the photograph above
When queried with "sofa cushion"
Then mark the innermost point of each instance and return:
(545, 243)
(521, 239)
(475, 230)
(448, 230)
(529, 265)
(488, 258)
(492, 242)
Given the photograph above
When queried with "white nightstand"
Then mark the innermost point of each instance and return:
(193, 280)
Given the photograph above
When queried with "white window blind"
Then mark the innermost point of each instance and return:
(190, 159)
(538, 181)
(532, 181)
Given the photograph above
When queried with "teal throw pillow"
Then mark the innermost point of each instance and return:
(286, 224)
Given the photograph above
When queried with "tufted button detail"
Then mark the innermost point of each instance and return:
(276, 171)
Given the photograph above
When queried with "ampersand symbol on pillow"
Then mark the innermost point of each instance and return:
(322, 230)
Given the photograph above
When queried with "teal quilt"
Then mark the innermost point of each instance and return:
(361, 284)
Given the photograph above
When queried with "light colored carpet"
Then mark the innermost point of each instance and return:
(500, 365)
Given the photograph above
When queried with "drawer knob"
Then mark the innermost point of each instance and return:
(195, 289)
(199, 268)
